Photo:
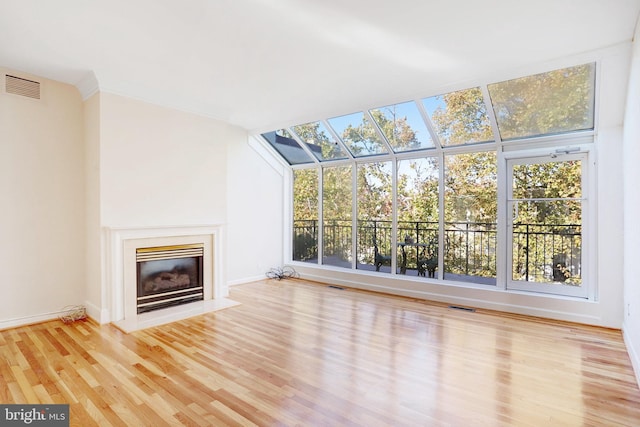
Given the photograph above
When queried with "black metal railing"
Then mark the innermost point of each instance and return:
(547, 252)
(541, 252)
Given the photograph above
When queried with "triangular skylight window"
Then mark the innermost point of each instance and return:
(459, 117)
(320, 141)
(403, 126)
(544, 104)
(358, 134)
(284, 143)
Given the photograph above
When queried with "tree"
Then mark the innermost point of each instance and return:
(305, 214)
(553, 102)
(461, 118)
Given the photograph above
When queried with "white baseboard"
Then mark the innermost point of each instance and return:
(100, 315)
(460, 298)
(246, 280)
(633, 354)
(29, 320)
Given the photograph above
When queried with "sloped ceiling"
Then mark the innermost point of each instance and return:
(260, 64)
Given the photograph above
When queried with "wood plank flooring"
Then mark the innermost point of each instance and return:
(303, 354)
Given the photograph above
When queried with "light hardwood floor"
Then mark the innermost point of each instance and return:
(299, 353)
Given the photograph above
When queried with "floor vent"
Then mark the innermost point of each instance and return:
(457, 307)
(22, 87)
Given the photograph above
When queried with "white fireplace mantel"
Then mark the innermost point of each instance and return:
(119, 286)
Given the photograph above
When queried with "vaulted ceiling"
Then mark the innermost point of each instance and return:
(260, 64)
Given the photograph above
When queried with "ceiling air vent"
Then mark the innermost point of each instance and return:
(23, 87)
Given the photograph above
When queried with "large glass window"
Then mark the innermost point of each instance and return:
(411, 189)
(460, 117)
(337, 215)
(374, 216)
(470, 212)
(546, 203)
(320, 141)
(358, 134)
(403, 127)
(284, 143)
(305, 219)
(548, 103)
(418, 216)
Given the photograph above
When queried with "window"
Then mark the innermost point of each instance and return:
(305, 220)
(403, 126)
(287, 146)
(337, 215)
(471, 207)
(545, 104)
(320, 141)
(546, 202)
(374, 215)
(412, 189)
(358, 134)
(418, 216)
(460, 117)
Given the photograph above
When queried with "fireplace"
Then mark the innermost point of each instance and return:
(168, 276)
(135, 257)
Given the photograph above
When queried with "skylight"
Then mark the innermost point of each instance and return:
(550, 103)
(320, 141)
(545, 104)
(287, 146)
(403, 126)
(358, 134)
(459, 117)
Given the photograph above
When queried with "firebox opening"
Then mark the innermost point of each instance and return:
(168, 276)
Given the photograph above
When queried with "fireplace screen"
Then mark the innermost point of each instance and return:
(169, 275)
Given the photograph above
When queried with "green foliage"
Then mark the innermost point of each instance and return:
(471, 188)
(363, 139)
(305, 194)
(418, 190)
(552, 180)
(336, 187)
(396, 129)
(547, 103)
(462, 118)
(313, 135)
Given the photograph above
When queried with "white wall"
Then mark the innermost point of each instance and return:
(255, 205)
(42, 229)
(631, 166)
(157, 167)
(160, 166)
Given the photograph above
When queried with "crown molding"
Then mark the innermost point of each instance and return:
(88, 86)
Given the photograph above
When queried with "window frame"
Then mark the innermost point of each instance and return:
(582, 140)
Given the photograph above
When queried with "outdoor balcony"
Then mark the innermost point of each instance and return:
(540, 252)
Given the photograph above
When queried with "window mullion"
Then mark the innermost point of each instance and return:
(503, 222)
(337, 138)
(354, 215)
(381, 134)
(441, 225)
(320, 215)
(492, 116)
(434, 135)
(394, 215)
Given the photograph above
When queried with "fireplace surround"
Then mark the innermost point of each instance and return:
(122, 246)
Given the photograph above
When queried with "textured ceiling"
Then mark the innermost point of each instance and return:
(264, 63)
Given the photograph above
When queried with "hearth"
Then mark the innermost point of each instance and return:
(168, 276)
